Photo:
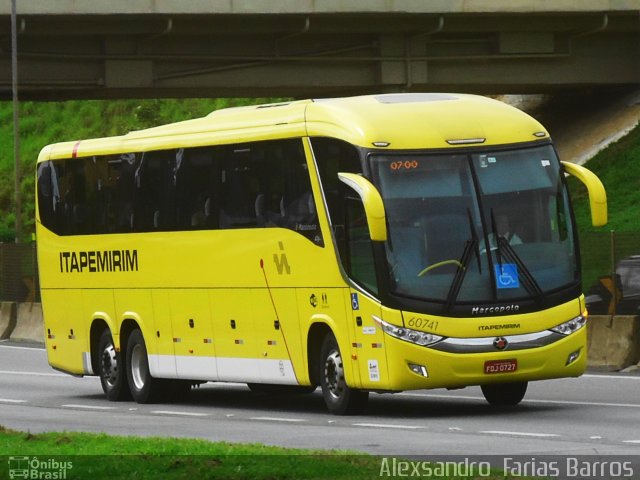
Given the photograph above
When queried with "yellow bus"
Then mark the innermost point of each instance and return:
(369, 244)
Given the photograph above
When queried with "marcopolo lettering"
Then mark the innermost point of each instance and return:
(495, 309)
(99, 261)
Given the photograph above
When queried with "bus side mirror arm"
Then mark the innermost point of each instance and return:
(373, 205)
(597, 193)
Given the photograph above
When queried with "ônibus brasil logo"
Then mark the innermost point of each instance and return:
(41, 469)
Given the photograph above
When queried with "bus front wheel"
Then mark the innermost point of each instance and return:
(504, 394)
(144, 388)
(339, 397)
(111, 369)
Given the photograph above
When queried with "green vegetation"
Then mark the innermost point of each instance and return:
(618, 166)
(98, 456)
(42, 123)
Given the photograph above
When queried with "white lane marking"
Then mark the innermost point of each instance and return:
(37, 374)
(635, 442)
(174, 412)
(88, 407)
(612, 377)
(436, 395)
(277, 419)
(46, 374)
(11, 400)
(595, 404)
(386, 425)
(520, 434)
(14, 347)
(558, 402)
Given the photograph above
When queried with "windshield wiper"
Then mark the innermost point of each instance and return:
(470, 247)
(503, 247)
(474, 239)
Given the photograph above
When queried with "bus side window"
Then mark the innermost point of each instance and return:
(96, 177)
(360, 262)
(120, 202)
(154, 206)
(333, 156)
(270, 198)
(74, 197)
(194, 178)
(298, 205)
(46, 197)
(239, 190)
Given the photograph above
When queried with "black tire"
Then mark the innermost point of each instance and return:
(274, 389)
(112, 370)
(144, 388)
(504, 394)
(339, 397)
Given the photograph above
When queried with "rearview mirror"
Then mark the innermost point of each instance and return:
(597, 193)
(372, 201)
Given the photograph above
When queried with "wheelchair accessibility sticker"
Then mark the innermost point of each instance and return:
(355, 304)
(507, 275)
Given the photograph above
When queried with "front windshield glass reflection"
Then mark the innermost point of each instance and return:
(484, 227)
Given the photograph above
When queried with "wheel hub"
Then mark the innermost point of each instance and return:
(110, 365)
(334, 374)
(138, 370)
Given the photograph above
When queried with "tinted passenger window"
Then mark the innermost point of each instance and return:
(260, 184)
(333, 156)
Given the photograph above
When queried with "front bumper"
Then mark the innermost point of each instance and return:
(446, 369)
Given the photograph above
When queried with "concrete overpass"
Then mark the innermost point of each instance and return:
(158, 48)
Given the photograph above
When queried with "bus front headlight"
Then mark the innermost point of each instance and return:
(407, 334)
(571, 326)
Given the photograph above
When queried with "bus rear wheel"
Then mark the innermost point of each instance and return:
(111, 369)
(144, 388)
(339, 397)
(504, 394)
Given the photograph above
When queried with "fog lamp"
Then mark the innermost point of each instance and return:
(572, 357)
(419, 370)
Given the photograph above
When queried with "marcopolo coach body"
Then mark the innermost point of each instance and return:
(376, 243)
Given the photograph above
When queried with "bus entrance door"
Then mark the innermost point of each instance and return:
(367, 347)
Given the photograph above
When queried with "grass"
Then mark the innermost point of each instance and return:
(98, 456)
(618, 166)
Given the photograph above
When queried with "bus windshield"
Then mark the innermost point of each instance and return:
(476, 226)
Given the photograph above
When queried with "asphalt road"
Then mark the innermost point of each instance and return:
(597, 414)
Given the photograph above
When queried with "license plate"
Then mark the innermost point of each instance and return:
(500, 366)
